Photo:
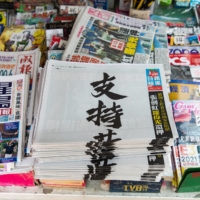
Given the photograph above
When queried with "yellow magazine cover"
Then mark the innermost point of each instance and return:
(3, 16)
(184, 90)
(23, 38)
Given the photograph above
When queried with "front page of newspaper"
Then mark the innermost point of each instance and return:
(99, 39)
(26, 62)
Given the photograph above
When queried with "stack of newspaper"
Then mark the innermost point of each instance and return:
(95, 120)
(18, 81)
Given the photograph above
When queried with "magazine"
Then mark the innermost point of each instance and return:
(13, 104)
(181, 59)
(22, 38)
(189, 156)
(26, 62)
(66, 26)
(184, 90)
(99, 39)
(176, 157)
(55, 54)
(186, 117)
(35, 18)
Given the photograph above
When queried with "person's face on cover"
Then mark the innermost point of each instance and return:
(10, 143)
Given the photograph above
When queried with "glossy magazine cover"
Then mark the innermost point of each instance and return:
(187, 120)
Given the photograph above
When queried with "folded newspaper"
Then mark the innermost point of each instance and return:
(26, 62)
(100, 39)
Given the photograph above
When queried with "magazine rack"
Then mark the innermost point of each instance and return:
(92, 192)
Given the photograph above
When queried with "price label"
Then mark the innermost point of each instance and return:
(179, 40)
(73, 9)
(63, 44)
(18, 36)
(39, 9)
(26, 16)
(29, 27)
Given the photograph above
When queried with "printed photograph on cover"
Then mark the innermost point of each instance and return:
(181, 58)
(50, 33)
(3, 17)
(65, 9)
(181, 73)
(55, 54)
(160, 41)
(26, 137)
(20, 39)
(176, 40)
(184, 90)
(8, 150)
(106, 42)
(9, 130)
(10, 101)
(187, 120)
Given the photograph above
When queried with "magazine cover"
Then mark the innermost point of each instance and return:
(24, 38)
(187, 120)
(32, 6)
(184, 90)
(13, 101)
(3, 17)
(189, 156)
(101, 40)
(181, 59)
(35, 18)
(55, 54)
(177, 163)
(66, 26)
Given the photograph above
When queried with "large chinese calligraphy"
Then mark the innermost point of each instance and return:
(102, 149)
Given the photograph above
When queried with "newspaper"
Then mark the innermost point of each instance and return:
(26, 62)
(159, 50)
(99, 39)
(13, 104)
(138, 76)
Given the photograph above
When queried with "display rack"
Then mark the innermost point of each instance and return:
(92, 192)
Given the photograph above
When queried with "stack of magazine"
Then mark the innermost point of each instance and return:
(185, 99)
(18, 82)
(96, 120)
